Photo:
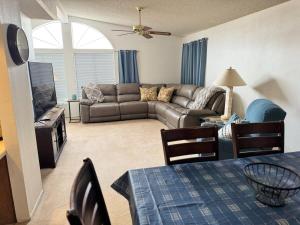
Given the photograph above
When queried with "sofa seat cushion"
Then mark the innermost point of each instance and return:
(104, 109)
(173, 118)
(135, 107)
(181, 110)
(151, 107)
(173, 105)
(161, 109)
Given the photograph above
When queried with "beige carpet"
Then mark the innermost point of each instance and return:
(114, 148)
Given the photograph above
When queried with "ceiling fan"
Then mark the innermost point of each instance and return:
(141, 29)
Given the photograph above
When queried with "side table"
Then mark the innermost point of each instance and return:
(76, 119)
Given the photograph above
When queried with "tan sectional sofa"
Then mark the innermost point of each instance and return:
(122, 102)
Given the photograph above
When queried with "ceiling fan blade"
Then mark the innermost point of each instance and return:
(159, 33)
(145, 28)
(127, 33)
(148, 36)
(123, 30)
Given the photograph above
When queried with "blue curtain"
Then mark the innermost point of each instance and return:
(193, 64)
(128, 69)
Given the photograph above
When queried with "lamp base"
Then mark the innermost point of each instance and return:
(225, 117)
(228, 104)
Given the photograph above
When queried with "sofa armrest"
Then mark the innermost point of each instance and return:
(86, 102)
(199, 112)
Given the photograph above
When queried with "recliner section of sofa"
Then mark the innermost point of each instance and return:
(129, 101)
(122, 102)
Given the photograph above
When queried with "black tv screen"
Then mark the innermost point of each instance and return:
(43, 88)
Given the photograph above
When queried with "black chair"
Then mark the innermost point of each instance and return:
(253, 139)
(202, 141)
(87, 205)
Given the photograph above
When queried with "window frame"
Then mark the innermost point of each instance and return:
(45, 24)
(91, 27)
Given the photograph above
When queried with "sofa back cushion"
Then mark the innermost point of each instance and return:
(175, 86)
(196, 93)
(184, 95)
(128, 92)
(216, 102)
(159, 86)
(108, 90)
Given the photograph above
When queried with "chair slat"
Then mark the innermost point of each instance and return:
(259, 142)
(258, 128)
(192, 160)
(209, 145)
(188, 134)
(191, 148)
(271, 134)
(258, 153)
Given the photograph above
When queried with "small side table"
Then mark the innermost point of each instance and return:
(74, 119)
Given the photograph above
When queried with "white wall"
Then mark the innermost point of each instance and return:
(17, 120)
(265, 49)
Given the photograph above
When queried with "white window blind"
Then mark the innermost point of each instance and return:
(57, 60)
(94, 67)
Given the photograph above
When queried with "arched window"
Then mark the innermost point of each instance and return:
(48, 36)
(92, 54)
(86, 37)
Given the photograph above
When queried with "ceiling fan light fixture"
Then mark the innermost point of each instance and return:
(140, 29)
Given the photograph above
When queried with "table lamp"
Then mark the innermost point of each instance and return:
(229, 79)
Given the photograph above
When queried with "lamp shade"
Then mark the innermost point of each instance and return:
(230, 78)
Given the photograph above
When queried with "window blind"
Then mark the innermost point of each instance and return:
(94, 67)
(57, 60)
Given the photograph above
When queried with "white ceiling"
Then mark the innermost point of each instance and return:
(181, 17)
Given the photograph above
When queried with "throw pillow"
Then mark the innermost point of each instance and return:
(203, 97)
(233, 118)
(148, 94)
(225, 131)
(93, 92)
(165, 94)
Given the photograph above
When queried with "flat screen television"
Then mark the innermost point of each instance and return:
(43, 88)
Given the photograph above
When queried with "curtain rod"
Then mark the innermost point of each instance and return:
(127, 50)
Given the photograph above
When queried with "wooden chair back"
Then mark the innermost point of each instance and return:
(253, 139)
(87, 205)
(206, 144)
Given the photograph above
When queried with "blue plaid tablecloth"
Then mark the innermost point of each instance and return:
(204, 193)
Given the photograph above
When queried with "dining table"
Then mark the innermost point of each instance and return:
(214, 193)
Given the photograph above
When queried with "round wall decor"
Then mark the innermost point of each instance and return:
(17, 44)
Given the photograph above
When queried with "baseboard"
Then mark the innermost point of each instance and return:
(36, 204)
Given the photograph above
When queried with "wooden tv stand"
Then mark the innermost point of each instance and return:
(51, 136)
